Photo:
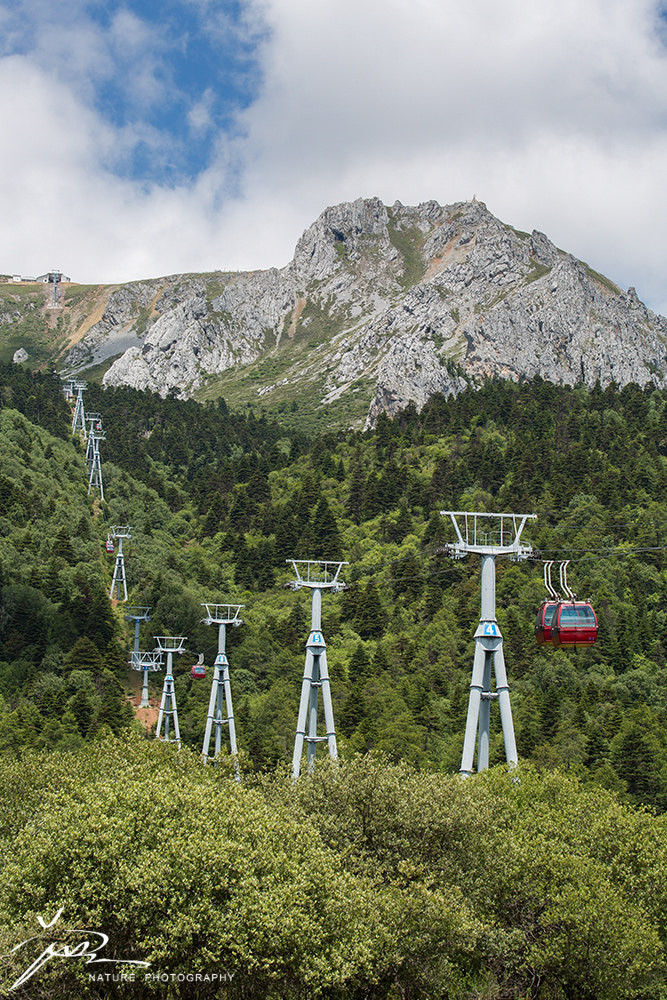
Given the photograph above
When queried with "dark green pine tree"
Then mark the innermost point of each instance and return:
(325, 533)
(82, 706)
(355, 496)
(359, 666)
(215, 515)
(370, 619)
(286, 535)
(407, 578)
(84, 655)
(114, 710)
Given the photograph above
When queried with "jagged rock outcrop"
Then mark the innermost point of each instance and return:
(400, 301)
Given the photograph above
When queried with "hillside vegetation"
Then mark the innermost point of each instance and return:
(219, 501)
(369, 881)
(386, 877)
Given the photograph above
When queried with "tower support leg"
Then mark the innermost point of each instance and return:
(304, 704)
(327, 705)
(168, 714)
(227, 686)
(474, 701)
(212, 713)
(503, 692)
(144, 703)
(484, 715)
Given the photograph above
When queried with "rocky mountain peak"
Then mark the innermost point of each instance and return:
(382, 306)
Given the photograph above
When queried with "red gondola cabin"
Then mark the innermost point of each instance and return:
(574, 624)
(198, 671)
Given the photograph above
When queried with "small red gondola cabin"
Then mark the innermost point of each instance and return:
(109, 545)
(198, 671)
(574, 623)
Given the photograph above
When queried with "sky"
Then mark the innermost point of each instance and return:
(142, 139)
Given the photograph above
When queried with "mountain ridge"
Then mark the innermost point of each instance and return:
(380, 307)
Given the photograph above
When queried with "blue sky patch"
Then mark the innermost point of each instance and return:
(172, 77)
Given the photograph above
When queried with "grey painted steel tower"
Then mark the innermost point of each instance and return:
(490, 536)
(93, 420)
(221, 615)
(95, 435)
(316, 575)
(119, 583)
(141, 661)
(148, 661)
(79, 418)
(168, 715)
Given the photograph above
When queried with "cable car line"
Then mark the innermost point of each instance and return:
(537, 556)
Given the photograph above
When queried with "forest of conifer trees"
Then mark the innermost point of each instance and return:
(218, 501)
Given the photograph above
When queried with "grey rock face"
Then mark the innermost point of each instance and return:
(412, 300)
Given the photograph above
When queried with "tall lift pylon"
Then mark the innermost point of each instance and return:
(96, 434)
(119, 583)
(147, 661)
(489, 536)
(139, 615)
(221, 615)
(316, 575)
(94, 421)
(79, 417)
(167, 722)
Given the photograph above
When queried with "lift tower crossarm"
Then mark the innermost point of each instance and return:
(504, 540)
(150, 659)
(317, 574)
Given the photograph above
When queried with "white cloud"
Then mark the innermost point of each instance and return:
(199, 116)
(554, 114)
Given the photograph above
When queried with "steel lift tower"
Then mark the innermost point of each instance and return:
(316, 575)
(489, 536)
(139, 615)
(119, 583)
(95, 435)
(79, 418)
(168, 715)
(94, 421)
(147, 661)
(221, 615)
